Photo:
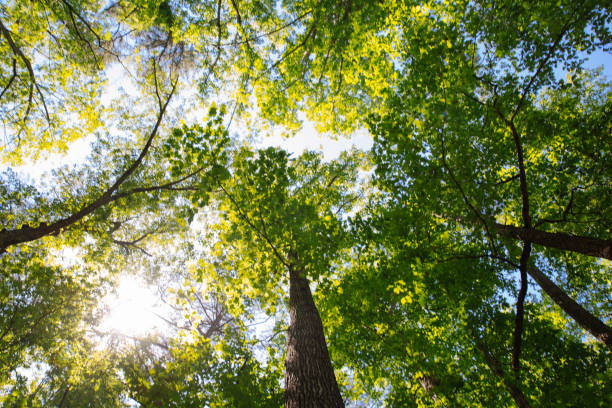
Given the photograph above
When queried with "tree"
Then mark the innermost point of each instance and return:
(492, 173)
(100, 200)
(78, 376)
(27, 233)
(475, 110)
(404, 310)
(205, 356)
(52, 58)
(45, 310)
(467, 119)
(281, 225)
(215, 372)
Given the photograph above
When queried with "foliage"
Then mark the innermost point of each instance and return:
(490, 139)
(270, 207)
(45, 313)
(205, 372)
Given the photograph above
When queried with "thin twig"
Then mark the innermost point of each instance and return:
(12, 78)
(539, 69)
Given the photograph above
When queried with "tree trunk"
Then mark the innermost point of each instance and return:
(310, 381)
(495, 366)
(64, 395)
(582, 316)
(599, 248)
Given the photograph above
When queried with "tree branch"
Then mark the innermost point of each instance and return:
(507, 180)
(126, 245)
(263, 235)
(522, 176)
(288, 53)
(495, 366)
(239, 19)
(17, 51)
(599, 248)
(458, 185)
(563, 215)
(72, 13)
(12, 78)
(539, 69)
(27, 233)
(520, 310)
(583, 317)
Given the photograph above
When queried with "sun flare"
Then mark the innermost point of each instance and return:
(131, 309)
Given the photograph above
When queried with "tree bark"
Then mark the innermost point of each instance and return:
(583, 317)
(310, 381)
(599, 248)
(495, 366)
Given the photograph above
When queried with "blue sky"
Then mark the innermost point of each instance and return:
(601, 58)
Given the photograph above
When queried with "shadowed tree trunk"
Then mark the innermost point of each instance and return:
(310, 381)
(599, 248)
(582, 316)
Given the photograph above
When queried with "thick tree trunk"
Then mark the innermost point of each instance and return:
(582, 316)
(599, 248)
(495, 366)
(310, 381)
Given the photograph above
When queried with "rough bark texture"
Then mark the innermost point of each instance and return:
(599, 248)
(582, 316)
(495, 366)
(310, 381)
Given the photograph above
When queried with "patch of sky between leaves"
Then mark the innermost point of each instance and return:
(307, 139)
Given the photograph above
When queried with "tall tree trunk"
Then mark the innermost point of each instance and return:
(310, 381)
(582, 316)
(599, 248)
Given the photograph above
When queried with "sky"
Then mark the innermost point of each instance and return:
(601, 59)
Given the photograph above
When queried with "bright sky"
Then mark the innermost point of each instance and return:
(309, 139)
(132, 309)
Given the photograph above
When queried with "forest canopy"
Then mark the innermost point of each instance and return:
(463, 259)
